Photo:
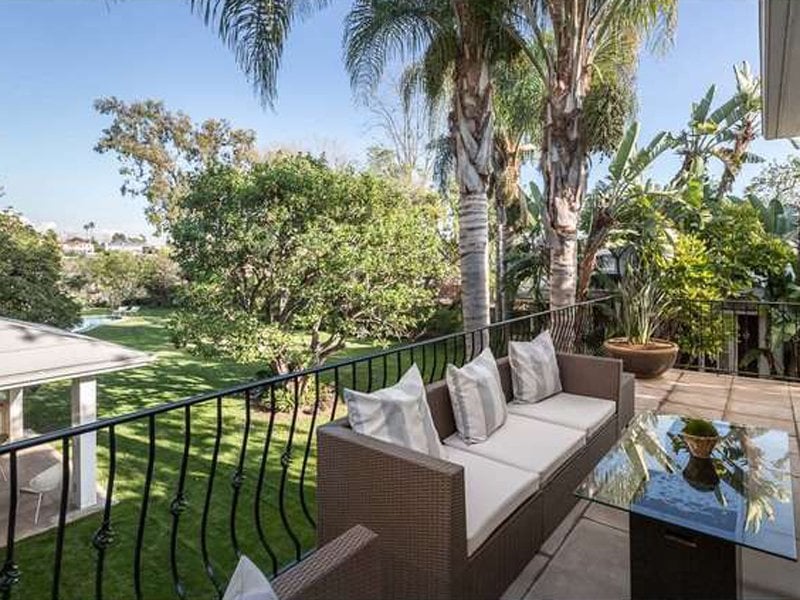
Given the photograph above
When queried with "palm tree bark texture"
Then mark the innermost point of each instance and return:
(564, 167)
(472, 131)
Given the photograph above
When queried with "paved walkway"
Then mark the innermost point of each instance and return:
(587, 556)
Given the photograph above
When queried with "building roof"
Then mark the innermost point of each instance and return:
(780, 67)
(32, 354)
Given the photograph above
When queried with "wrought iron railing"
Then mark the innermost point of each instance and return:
(743, 337)
(190, 485)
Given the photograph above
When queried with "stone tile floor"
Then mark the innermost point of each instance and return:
(587, 556)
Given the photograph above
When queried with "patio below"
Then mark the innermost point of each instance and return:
(587, 556)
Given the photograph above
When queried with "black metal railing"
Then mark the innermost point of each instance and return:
(190, 485)
(743, 337)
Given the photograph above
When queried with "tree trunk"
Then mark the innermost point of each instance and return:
(506, 192)
(471, 127)
(564, 159)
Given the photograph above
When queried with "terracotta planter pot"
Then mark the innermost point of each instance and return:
(647, 361)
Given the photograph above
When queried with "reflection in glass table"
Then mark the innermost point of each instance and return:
(689, 514)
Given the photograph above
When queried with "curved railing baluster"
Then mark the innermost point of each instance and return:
(210, 571)
(286, 460)
(369, 375)
(104, 536)
(148, 481)
(435, 364)
(179, 503)
(238, 475)
(62, 517)
(260, 486)
(335, 392)
(385, 372)
(9, 575)
(309, 441)
(423, 368)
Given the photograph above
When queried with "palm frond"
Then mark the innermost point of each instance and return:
(255, 31)
(376, 31)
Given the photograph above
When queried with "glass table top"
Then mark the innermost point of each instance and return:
(742, 493)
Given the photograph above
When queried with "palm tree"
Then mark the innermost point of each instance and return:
(576, 37)
(518, 101)
(377, 31)
(89, 228)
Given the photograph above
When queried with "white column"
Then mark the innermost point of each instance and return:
(84, 449)
(13, 423)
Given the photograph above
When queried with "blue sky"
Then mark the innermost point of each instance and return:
(57, 57)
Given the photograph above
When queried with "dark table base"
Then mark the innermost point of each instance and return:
(672, 562)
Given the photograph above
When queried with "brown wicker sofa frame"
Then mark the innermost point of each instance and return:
(348, 566)
(416, 505)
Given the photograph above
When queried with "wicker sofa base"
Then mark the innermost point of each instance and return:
(415, 503)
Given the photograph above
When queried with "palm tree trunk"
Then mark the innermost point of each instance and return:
(471, 127)
(564, 169)
(506, 191)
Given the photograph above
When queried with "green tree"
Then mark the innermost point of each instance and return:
(287, 260)
(118, 277)
(574, 39)
(158, 150)
(30, 275)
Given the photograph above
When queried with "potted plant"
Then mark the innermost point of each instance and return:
(643, 305)
(700, 437)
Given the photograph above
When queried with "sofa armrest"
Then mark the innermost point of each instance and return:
(595, 376)
(414, 503)
(347, 567)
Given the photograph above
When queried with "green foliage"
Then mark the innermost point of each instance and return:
(158, 150)
(30, 274)
(293, 245)
(115, 278)
(643, 304)
(607, 109)
(699, 427)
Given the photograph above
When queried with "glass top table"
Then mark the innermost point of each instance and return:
(742, 494)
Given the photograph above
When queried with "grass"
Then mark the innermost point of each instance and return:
(174, 375)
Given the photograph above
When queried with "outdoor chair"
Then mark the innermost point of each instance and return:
(43, 483)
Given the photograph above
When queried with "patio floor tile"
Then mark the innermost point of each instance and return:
(651, 393)
(698, 399)
(743, 419)
(767, 576)
(671, 375)
(553, 543)
(772, 411)
(526, 579)
(703, 389)
(709, 378)
(592, 563)
(605, 515)
(690, 411)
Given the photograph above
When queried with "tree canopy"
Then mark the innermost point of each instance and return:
(30, 274)
(289, 258)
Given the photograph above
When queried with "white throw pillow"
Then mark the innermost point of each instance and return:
(479, 405)
(248, 583)
(398, 414)
(534, 369)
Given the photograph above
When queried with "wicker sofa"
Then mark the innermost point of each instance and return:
(418, 507)
(346, 567)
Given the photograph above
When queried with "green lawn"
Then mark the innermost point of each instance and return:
(174, 375)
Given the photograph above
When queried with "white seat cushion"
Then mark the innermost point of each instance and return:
(535, 446)
(493, 492)
(571, 410)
